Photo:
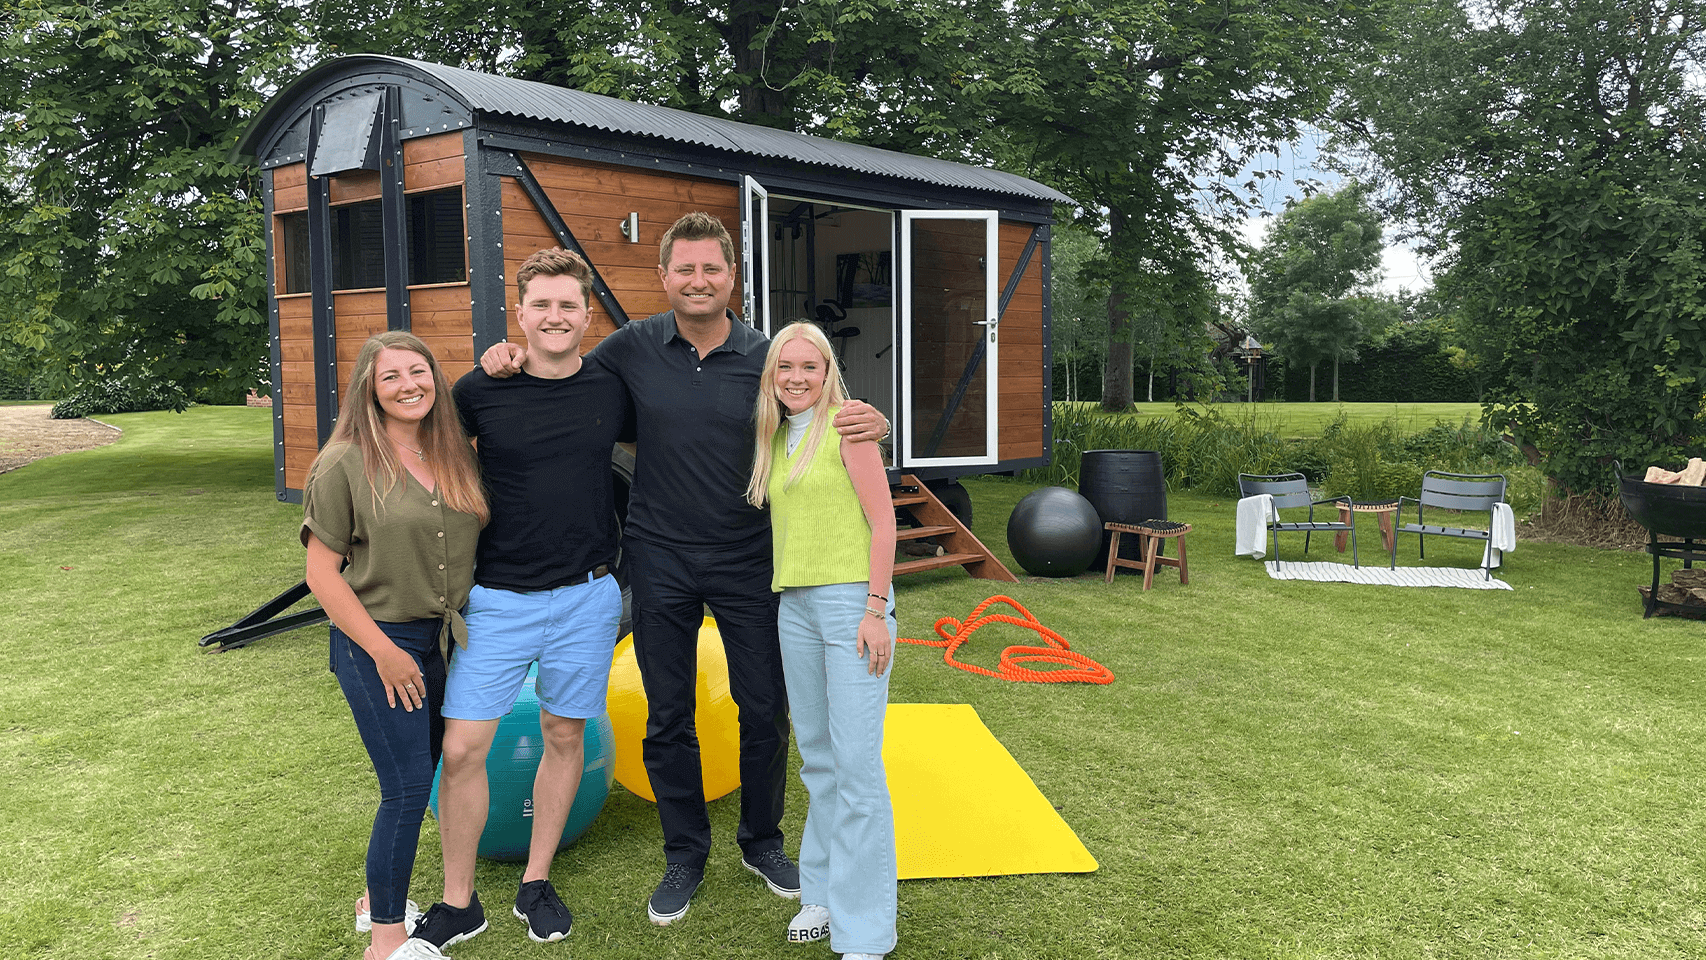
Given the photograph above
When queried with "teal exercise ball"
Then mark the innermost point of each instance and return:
(511, 765)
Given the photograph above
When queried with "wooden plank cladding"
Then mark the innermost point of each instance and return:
(353, 187)
(1021, 384)
(290, 187)
(432, 162)
(593, 200)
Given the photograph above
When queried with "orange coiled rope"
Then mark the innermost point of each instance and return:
(1077, 668)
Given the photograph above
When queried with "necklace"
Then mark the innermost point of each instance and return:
(420, 454)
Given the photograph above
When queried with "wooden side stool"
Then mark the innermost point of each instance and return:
(1150, 534)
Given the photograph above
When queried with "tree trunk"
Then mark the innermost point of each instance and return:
(764, 99)
(1116, 375)
(1312, 381)
(1335, 378)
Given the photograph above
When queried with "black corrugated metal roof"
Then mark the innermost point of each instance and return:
(507, 96)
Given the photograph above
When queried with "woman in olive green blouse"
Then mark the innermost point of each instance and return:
(395, 493)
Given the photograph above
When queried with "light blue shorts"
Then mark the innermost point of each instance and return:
(571, 631)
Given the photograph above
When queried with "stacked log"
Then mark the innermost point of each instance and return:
(1687, 590)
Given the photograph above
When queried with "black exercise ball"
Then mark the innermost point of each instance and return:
(1054, 532)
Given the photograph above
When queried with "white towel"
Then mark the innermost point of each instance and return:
(1503, 539)
(1253, 515)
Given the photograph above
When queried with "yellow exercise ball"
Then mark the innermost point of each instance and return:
(716, 718)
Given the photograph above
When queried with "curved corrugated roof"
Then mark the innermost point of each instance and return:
(506, 96)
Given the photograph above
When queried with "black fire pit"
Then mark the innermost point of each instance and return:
(1666, 510)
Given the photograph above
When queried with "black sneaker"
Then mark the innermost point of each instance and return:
(669, 901)
(538, 905)
(779, 873)
(443, 925)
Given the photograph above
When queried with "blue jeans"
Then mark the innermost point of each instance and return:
(404, 747)
(847, 852)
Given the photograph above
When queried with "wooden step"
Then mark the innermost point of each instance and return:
(920, 533)
(936, 563)
(935, 521)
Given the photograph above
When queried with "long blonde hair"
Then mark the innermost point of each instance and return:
(769, 413)
(445, 446)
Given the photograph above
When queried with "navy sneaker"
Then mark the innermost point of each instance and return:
(443, 925)
(779, 873)
(669, 901)
(538, 905)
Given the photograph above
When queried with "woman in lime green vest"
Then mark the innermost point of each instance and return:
(832, 525)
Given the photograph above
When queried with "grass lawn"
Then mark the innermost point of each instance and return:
(1280, 770)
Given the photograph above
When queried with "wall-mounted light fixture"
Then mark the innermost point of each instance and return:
(631, 228)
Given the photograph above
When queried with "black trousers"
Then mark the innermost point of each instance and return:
(671, 587)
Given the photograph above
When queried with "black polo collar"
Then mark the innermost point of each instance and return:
(742, 339)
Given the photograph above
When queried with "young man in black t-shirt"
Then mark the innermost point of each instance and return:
(543, 591)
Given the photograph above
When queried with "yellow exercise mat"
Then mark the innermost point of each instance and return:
(963, 807)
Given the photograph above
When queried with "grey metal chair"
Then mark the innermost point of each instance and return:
(1462, 492)
(1291, 491)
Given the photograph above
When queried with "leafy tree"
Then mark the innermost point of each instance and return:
(883, 72)
(1554, 153)
(1078, 331)
(1145, 111)
(131, 243)
(1318, 253)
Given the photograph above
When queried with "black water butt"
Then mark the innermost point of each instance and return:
(1125, 486)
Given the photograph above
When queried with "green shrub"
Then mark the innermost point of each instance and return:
(1204, 450)
(17, 387)
(121, 394)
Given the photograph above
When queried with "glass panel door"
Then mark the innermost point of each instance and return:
(754, 253)
(948, 302)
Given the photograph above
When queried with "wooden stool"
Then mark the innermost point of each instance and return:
(1383, 510)
(1150, 534)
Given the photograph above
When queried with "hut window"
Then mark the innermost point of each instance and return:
(293, 238)
(436, 250)
(358, 246)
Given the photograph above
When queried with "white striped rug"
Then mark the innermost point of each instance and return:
(1320, 572)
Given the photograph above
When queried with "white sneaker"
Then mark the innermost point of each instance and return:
(413, 949)
(364, 918)
(810, 925)
(863, 956)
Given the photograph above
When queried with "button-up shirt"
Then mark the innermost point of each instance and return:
(411, 557)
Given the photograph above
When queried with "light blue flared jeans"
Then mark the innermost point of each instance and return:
(847, 852)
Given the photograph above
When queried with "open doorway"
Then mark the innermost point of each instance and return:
(834, 265)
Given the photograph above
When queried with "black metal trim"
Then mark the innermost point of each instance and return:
(320, 272)
(261, 621)
(982, 347)
(1046, 233)
(393, 211)
(483, 195)
(559, 228)
(275, 351)
(974, 469)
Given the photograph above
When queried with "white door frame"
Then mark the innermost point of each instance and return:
(755, 255)
(910, 454)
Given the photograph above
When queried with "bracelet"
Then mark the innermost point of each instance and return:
(878, 596)
(874, 612)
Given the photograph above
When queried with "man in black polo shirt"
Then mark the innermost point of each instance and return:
(692, 540)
